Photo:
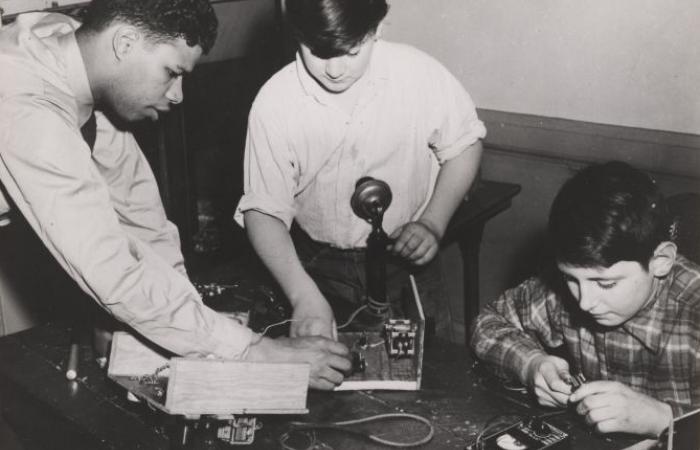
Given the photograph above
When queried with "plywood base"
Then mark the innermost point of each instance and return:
(382, 371)
(194, 387)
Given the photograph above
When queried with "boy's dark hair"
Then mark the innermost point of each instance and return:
(161, 20)
(605, 214)
(333, 28)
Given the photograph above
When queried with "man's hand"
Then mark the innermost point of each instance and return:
(313, 317)
(417, 242)
(328, 359)
(611, 406)
(547, 376)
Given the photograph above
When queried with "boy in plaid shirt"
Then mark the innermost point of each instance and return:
(625, 307)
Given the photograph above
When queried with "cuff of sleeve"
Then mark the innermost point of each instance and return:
(477, 131)
(522, 360)
(265, 204)
(679, 409)
(231, 340)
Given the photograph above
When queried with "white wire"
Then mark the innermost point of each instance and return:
(267, 328)
(352, 317)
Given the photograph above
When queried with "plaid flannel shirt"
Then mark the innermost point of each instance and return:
(657, 352)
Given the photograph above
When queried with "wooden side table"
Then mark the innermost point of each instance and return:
(466, 228)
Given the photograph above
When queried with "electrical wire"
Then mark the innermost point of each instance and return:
(352, 317)
(267, 328)
(492, 423)
(341, 426)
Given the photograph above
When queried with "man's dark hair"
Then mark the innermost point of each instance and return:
(605, 214)
(333, 28)
(161, 20)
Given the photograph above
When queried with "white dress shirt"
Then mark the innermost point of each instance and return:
(304, 154)
(100, 213)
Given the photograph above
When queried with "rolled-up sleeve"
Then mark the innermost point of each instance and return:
(107, 248)
(457, 125)
(271, 172)
(515, 328)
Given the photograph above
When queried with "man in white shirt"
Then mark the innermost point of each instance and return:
(352, 105)
(99, 211)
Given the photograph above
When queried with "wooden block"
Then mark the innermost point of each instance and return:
(199, 386)
(194, 387)
(130, 356)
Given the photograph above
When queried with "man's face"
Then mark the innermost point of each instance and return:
(610, 295)
(149, 80)
(338, 74)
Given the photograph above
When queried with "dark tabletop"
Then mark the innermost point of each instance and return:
(48, 412)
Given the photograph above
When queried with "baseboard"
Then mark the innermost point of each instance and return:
(657, 151)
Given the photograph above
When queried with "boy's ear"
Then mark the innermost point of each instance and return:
(663, 259)
(378, 32)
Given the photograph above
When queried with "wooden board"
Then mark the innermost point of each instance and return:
(129, 356)
(382, 371)
(193, 387)
(200, 386)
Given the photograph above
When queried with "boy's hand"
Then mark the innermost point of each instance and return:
(313, 318)
(611, 406)
(417, 241)
(547, 376)
(328, 359)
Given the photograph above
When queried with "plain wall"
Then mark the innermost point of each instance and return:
(625, 62)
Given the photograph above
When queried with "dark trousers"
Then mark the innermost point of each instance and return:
(340, 275)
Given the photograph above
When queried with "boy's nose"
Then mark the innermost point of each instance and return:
(335, 68)
(586, 299)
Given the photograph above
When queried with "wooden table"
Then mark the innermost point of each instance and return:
(48, 412)
(466, 228)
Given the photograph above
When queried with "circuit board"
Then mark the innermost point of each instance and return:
(390, 358)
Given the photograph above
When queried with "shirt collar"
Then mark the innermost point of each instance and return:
(376, 74)
(647, 326)
(76, 76)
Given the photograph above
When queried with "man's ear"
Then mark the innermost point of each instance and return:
(663, 259)
(124, 40)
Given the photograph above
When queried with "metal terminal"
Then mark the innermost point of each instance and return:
(359, 363)
(400, 336)
(576, 381)
(239, 430)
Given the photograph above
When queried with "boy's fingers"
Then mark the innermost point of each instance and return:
(561, 386)
(590, 388)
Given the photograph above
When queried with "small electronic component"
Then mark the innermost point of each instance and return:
(530, 434)
(238, 431)
(576, 381)
(359, 364)
(400, 336)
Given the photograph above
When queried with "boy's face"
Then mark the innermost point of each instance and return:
(338, 74)
(611, 295)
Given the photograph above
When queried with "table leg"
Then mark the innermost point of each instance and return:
(469, 247)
